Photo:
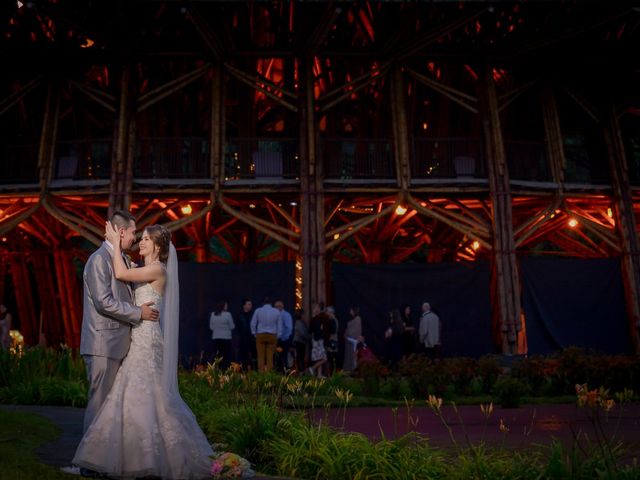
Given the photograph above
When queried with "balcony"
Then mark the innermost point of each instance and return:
(82, 162)
(447, 158)
(527, 161)
(172, 160)
(362, 159)
(19, 164)
(261, 160)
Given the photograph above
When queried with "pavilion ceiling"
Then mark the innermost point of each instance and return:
(439, 44)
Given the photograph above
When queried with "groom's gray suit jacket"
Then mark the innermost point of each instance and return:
(108, 311)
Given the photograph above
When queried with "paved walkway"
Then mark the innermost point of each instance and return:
(60, 452)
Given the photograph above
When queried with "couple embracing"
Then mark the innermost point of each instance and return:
(136, 424)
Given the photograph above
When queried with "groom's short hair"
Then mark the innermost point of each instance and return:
(122, 218)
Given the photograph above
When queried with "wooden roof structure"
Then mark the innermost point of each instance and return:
(318, 132)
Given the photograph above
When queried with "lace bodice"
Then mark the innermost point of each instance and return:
(144, 293)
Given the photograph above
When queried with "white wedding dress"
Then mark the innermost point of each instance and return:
(140, 429)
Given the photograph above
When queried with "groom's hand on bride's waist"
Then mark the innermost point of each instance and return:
(149, 313)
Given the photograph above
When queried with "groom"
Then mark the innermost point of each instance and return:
(108, 314)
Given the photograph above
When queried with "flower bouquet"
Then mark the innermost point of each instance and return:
(230, 465)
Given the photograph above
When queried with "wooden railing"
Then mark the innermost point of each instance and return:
(527, 160)
(261, 158)
(447, 157)
(345, 159)
(183, 157)
(83, 159)
(358, 158)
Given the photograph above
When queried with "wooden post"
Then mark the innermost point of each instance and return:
(555, 147)
(24, 296)
(216, 139)
(400, 131)
(46, 148)
(506, 283)
(63, 297)
(121, 167)
(52, 326)
(625, 223)
(312, 241)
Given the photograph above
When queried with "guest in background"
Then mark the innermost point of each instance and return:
(301, 340)
(5, 328)
(429, 333)
(410, 337)
(246, 343)
(284, 340)
(331, 344)
(221, 325)
(319, 320)
(395, 339)
(352, 337)
(266, 327)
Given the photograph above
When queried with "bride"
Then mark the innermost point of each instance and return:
(144, 428)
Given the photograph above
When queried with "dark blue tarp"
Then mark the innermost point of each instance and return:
(458, 292)
(570, 301)
(202, 285)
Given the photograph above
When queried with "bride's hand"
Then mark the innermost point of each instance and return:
(111, 233)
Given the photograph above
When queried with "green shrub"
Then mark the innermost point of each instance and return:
(395, 388)
(509, 391)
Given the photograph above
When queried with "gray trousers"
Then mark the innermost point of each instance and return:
(101, 372)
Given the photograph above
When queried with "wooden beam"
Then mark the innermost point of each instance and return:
(625, 221)
(553, 134)
(154, 96)
(18, 95)
(400, 130)
(505, 270)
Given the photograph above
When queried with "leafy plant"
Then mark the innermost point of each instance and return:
(509, 391)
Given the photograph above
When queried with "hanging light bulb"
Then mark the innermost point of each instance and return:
(401, 210)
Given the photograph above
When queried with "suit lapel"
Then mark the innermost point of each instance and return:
(128, 284)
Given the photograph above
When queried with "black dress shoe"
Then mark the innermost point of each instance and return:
(85, 472)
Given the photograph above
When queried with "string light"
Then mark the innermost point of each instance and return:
(609, 212)
(573, 223)
(475, 245)
(186, 209)
(400, 210)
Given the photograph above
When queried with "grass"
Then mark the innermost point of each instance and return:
(20, 435)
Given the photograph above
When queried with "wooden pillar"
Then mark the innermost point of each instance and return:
(63, 298)
(553, 133)
(312, 241)
(24, 297)
(48, 135)
(52, 325)
(506, 283)
(217, 134)
(123, 147)
(400, 131)
(626, 223)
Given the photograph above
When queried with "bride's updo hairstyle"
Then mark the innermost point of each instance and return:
(161, 238)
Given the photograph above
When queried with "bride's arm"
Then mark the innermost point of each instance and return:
(146, 273)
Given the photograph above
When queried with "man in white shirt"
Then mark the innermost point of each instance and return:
(266, 326)
(429, 332)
